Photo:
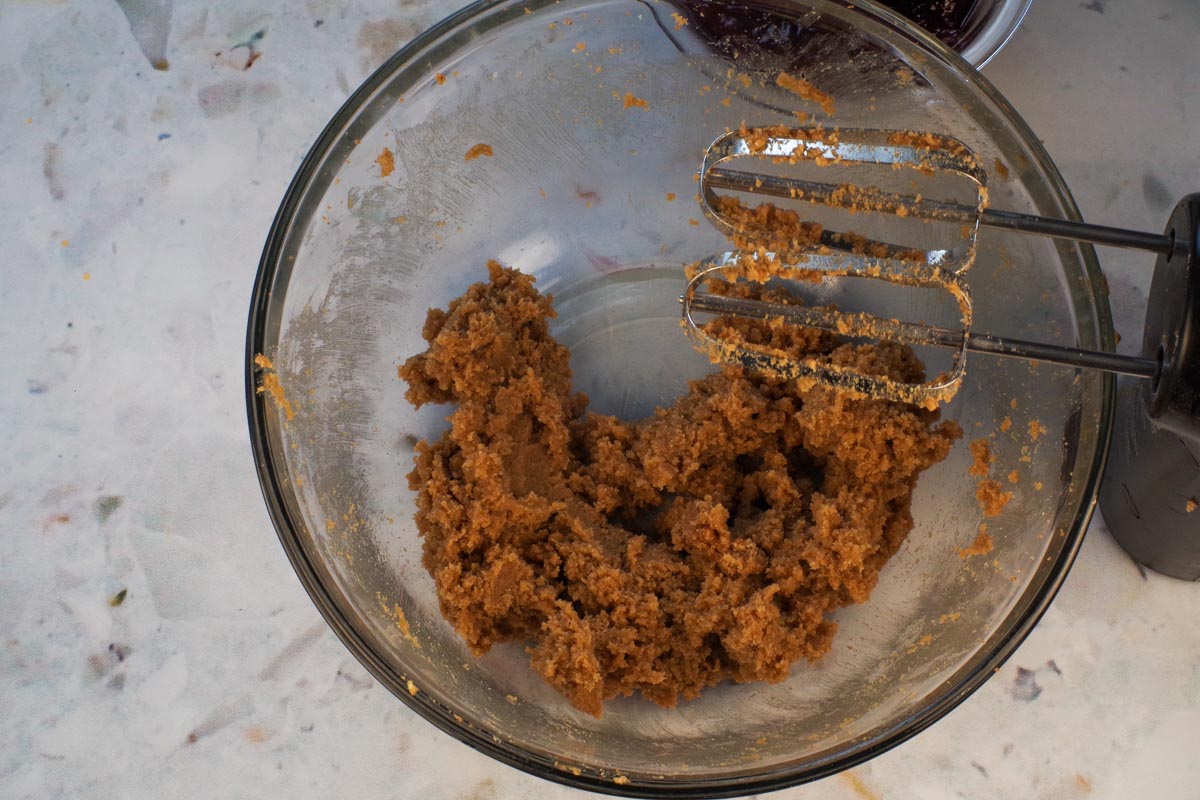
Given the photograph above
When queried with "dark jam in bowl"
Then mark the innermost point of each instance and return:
(735, 27)
(949, 20)
(734, 30)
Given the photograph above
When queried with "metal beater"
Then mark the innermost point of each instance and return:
(940, 268)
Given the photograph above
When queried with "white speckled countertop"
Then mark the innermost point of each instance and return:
(140, 166)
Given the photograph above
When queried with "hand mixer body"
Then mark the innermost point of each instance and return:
(1150, 496)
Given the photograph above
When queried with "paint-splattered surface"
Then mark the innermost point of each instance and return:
(154, 642)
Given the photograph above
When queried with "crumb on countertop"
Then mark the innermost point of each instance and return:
(386, 162)
(481, 149)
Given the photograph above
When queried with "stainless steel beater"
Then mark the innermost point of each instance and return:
(830, 256)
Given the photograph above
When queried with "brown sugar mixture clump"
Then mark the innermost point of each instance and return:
(806, 90)
(981, 456)
(708, 542)
(992, 497)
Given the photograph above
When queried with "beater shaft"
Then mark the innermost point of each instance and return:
(920, 334)
(923, 208)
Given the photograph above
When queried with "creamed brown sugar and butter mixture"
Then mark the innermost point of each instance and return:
(708, 542)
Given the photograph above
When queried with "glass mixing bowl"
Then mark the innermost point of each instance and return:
(575, 194)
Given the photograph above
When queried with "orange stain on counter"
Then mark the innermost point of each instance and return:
(858, 787)
(386, 162)
(478, 150)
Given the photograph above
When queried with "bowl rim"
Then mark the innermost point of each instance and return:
(988, 43)
(272, 483)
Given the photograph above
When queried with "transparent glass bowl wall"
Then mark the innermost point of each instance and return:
(995, 23)
(576, 194)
